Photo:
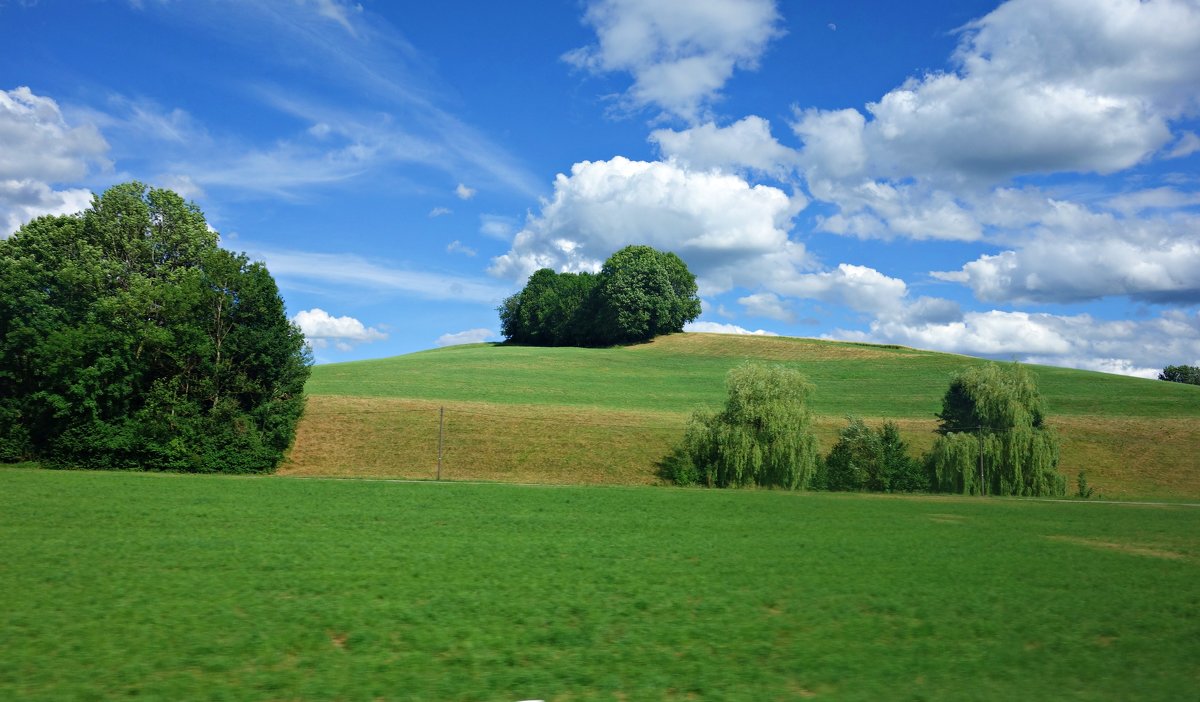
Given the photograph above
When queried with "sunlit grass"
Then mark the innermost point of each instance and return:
(186, 587)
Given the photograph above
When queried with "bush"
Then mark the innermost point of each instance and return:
(872, 459)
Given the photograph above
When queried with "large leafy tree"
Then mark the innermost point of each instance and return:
(763, 436)
(638, 294)
(998, 412)
(643, 293)
(130, 340)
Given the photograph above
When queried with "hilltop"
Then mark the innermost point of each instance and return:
(571, 415)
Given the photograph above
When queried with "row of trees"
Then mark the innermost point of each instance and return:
(638, 294)
(992, 439)
(130, 340)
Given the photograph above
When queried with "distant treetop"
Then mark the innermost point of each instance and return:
(1181, 374)
(638, 294)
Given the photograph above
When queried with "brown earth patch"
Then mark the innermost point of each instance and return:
(1123, 548)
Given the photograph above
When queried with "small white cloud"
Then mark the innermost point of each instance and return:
(832, 27)
(858, 287)
(766, 305)
(680, 54)
(463, 192)
(470, 336)
(744, 145)
(1187, 145)
(497, 226)
(440, 212)
(457, 246)
(320, 130)
(183, 186)
(719, 328)
(321, 328)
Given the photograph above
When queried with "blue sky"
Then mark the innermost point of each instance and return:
(1018, 180)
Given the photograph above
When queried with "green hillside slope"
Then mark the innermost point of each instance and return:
(606, 415)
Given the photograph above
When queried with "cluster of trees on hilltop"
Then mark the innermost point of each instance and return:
(638, 294)
(1181, 374)
(992, 440)
(130, 340)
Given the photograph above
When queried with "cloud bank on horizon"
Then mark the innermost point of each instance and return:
(1036, 197)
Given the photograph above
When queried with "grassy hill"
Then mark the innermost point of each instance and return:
(569, 415)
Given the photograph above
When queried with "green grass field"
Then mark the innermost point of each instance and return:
(570, 415)
(187, 587)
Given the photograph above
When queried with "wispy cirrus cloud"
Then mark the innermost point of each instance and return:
(351, 271)
(379, 107)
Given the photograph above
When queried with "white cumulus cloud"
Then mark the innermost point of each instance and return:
(1130, 347)
(1081, 255)
(321, 328)
(40, 149)
(729, 232)
(463, 192)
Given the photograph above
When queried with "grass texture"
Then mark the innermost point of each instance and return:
(220, 588)
(569, 415)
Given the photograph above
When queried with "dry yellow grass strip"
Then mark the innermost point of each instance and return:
(387, 437)
(1122, 547)
(773, 348)
(1128, 457)
(380, 437)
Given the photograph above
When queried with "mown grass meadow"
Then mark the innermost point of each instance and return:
(192, 587)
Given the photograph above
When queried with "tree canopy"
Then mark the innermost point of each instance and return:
(130, 340)
(999, 411)
(1181, 374)
(638, 294)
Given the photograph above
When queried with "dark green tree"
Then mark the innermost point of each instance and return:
(130, 340)
(1181, 374)
(997, 411)
(763, 436)
(873, 459)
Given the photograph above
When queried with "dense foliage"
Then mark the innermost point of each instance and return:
(869, 459)
(1181, 374)
(763, 436)
(130, 340)
(638, 294)
(999, 412)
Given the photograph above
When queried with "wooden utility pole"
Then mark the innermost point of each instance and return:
(441, 434)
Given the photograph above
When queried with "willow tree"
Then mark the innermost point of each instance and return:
(763, 436)
(993, 436)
